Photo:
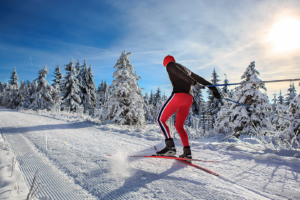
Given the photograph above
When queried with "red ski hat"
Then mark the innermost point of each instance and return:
(168, 59)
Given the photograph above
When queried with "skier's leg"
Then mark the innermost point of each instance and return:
(181, 116)
(169, 108)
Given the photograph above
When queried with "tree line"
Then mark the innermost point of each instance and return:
(123, 103)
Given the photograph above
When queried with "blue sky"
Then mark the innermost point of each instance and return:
(202, 35)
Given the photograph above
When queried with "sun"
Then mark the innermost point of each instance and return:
(285, 34)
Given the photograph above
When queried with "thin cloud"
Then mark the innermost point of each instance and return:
(52, 41)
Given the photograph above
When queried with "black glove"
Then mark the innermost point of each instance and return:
(216, 94)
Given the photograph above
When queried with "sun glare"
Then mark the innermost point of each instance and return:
(286, 35)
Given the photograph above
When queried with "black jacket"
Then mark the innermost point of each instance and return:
(183, 79)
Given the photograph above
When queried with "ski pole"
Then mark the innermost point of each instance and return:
(253, 82)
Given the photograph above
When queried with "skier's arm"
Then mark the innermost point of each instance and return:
(172, 68)
(202, 81)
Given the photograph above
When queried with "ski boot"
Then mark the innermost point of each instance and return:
(169, 150)
(186, 153)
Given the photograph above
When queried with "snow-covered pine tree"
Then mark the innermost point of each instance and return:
(88, 88)
(98, 103)
(294, 128)
(274, 104)
(225, 87)
(70, 88)
(6, 94)
(78, 68)
(1, 92)
(198, 102)
(125, 105)
(280, 124)
(148, 115)
(57, 76)
(223, 123)
(152, 98)
(273, 117)
(56, 82)
(1, 87)
(290, 95)
(27, 96)
(14, 79)
(103, 92)
(246, 120)
(99, 87)
(42, 98)
(157, 97)
(146, 98)
(22, 94)
(33, 87)
(214, 104)
(280, 98)
(14, 82)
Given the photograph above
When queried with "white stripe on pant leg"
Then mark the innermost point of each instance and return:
(162, 127)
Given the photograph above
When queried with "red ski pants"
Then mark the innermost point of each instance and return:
(180, 102)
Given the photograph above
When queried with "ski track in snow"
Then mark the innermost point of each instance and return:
(75, 165)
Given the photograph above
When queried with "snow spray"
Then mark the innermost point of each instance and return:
(119, 165)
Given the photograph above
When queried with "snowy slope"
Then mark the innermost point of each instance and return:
(72, 162)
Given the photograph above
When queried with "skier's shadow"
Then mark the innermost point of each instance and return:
(140, 179)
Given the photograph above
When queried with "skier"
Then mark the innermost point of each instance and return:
(180, 100)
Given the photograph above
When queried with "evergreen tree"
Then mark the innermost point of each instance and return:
(246, 120)
(80, 73)
(280, 98)
(21, 94)
(88, 88)
(290, 95)
(152, 98)
(99, 87)
(125, 103)
(14, 79)
(147, 110)
(33, 87)
(293, 130)
(56, 82)
(42, 98)
(146, 99)
(103, 93)
(26, 96)
(198, 102)
(278, 122)
(214, 104)
(14, 91)
(223, 122)
(78, 68)
(225, 88)
(70, 88)
(98, 102)
(274, 103)
(57, 75)
(157, 97)
(1, 87)
(6, 94)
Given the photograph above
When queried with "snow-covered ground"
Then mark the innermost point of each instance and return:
(72, 162)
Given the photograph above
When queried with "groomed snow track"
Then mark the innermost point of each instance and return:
(57, 187)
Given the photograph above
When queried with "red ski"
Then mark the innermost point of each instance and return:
(175, 158)
(199, 167)
(182, 160)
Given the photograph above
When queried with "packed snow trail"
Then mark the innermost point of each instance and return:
(73, 164)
